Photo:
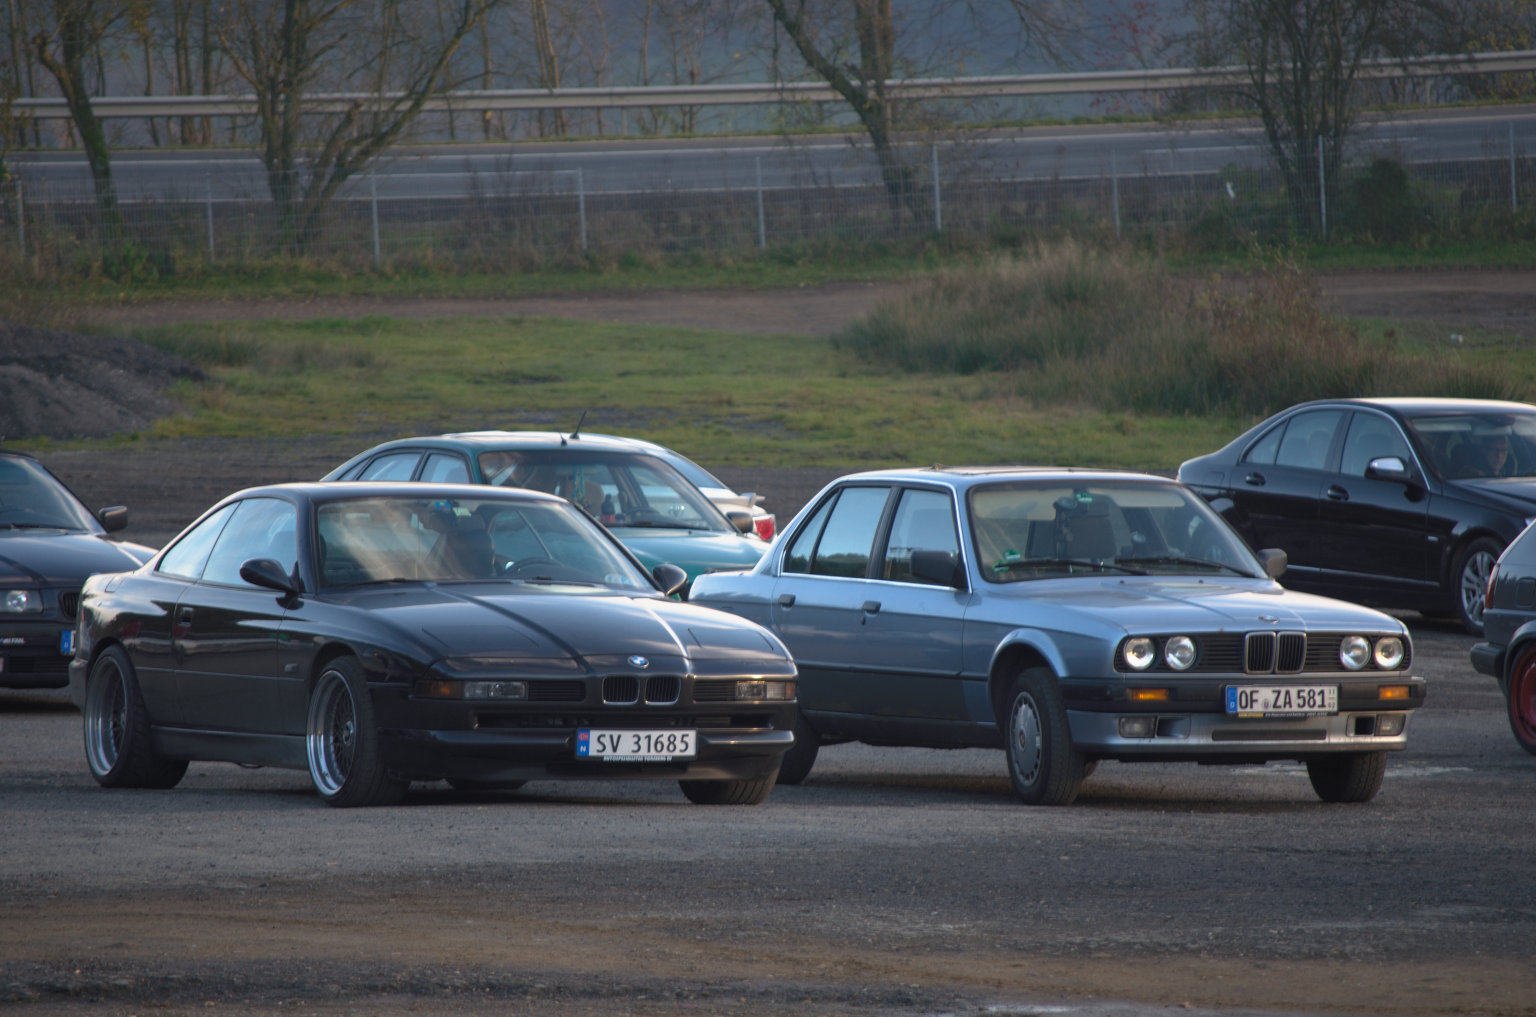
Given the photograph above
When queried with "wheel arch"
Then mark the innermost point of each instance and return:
(1019, 651)
(1451, 557)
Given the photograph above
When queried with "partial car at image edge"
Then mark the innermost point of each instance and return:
(1507, 652)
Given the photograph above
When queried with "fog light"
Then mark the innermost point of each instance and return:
(1138, 727)
(1390, 725)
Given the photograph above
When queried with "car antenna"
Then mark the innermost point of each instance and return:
(576, 434)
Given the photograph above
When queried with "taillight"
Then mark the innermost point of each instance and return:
(764, 526)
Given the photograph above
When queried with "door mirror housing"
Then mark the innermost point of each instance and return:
(1388, 468)
(269, 575)
(1274, 561)
(939, 567)
(669, 577)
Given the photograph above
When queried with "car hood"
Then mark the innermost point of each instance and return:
(597, 629)
(1184, 603)
(59, 557)
(693, 551)
(1517, 491)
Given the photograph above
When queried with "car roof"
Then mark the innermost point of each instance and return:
(490, 440)
(332, 490)
(970, 476)
(1412, 406)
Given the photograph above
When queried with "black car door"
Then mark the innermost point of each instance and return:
(1372, 531)
(1279, 481)
(228, 631)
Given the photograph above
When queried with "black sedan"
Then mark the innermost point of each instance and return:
(1399, 503)
(1508, 650)
(378, 634)
(49, 544)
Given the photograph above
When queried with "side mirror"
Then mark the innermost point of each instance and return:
(1388, 468)
(1274, 561)
(669, 577)
(269, 575)
(939, 567)
(114, 518)
(740, 519)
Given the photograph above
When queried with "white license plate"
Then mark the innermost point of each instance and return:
(615, 746)
(1282, 700)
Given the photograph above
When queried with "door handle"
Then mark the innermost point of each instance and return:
(1336, 493)
(871, 607)
(786, 600)
(1254, 479)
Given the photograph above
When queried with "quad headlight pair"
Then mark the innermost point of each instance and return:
(1179, 653)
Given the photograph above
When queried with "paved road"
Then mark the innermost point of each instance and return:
(891, 882)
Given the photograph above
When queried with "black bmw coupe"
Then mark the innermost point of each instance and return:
(378, 634)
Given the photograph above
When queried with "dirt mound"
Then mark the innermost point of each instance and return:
(64, 385)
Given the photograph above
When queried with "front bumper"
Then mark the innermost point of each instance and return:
(35, 655)
(1488, 659)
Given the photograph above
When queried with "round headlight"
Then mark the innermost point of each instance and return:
(1139, 653)
(16, 601)
(1354, 652)
(1389, 653)
(1179, 653)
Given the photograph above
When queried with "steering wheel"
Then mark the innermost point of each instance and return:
(517, 567)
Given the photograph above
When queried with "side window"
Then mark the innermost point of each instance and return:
(187, 555)
(1371, 437)
(1263, 451)
(849, 537)
(392, 466)
(444, 468)
(925, 521)
(260, 528)
(1308, 437)
(798, 557)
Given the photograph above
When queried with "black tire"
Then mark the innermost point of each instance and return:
(1469, 581)
(341, 740)
(1043, 765)
(117, 737)
(1520, 694)
(1355, 777)
(469, 784)
(797, 762)
(728, 792)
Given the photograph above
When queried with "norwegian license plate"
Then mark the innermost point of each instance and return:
(1282, 700)
(615, 746)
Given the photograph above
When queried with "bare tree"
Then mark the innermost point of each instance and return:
(69, 48)
(286, 49)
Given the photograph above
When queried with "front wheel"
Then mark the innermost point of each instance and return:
(1355, 777)
(797, 762)
(1521, 691)
(1043, 765)
(117, 739)
(1473, 567)
(342, 740)
(728, 792)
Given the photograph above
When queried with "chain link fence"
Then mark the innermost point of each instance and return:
(505, 218)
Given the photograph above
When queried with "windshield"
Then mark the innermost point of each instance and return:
(406, 539)
(1465, 445)
(30, 498)
(616, 488)
(1049, 530)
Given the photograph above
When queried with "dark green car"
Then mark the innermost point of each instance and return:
(652, 508)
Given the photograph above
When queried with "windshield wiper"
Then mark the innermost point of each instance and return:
(1174, 559)
(1033, 563)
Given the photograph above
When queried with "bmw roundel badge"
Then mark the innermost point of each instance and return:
(639, 661)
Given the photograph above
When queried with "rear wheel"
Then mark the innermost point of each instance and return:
(117, 738)
(1473, 566)
(1042, 764)
(797, 762)
(728, 792)
(1355, 777)
(342, 740)
(1521, 691)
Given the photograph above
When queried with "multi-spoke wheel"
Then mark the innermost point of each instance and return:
(342, 741)
(1473, 567)
(1042, 764)
(117, 736)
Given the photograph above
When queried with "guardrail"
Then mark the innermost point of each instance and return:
(1170, 79)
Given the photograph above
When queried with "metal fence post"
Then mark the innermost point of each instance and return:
(208, 194)
(373, 205)
(762, 226)
(1514, 184)
(1114, 188)
(1322, 187)
(581, 207)
(938, 208)
(21, 219)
